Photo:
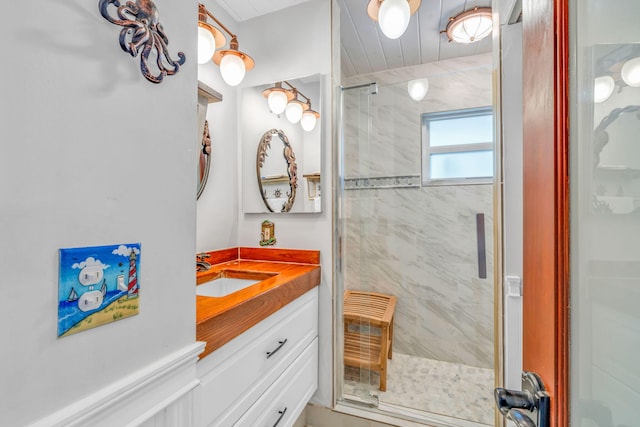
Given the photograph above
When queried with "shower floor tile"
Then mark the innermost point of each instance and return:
(445, 388)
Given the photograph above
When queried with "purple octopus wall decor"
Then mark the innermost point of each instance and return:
(143, 34)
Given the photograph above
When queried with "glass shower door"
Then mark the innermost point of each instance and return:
(418, 256)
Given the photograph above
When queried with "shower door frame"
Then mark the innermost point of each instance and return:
(338, 277)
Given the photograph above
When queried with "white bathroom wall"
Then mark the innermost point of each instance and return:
(292, 43)
(93, 154)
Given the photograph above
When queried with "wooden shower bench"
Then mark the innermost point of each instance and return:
(368, 312)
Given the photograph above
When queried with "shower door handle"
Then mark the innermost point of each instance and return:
(482, 249)
(527, 408)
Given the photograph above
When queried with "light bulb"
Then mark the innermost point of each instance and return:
(603, 88)
(232, 69)
(294, 112)
(393, 17)
(206, 45)
(308, 121)
(418, 89)
(631, 72)
(277, 101)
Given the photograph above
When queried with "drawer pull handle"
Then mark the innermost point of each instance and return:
(281, 415)
(280, 344)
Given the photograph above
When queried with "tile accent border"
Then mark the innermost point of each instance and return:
(398, 181)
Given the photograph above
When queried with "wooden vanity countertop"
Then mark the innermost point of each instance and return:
(220, 319)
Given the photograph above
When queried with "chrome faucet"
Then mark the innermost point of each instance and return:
(201, 264)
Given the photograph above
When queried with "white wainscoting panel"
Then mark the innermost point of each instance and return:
(158, 395)
(178, 413)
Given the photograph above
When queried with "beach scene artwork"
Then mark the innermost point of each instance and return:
(97, 285)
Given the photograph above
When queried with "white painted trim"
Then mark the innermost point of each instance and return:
(151, 412)
(162, 381)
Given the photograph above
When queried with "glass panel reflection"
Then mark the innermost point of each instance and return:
(605, 220)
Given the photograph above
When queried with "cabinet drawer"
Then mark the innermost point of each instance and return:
(236, 375)
(284, 401)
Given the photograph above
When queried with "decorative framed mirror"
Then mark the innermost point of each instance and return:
(204, 160)
(277, 174)
(206, 96)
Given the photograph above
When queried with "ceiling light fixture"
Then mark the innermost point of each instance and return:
(418, 88)
(392, 15)
(470, 26)
(233, 63)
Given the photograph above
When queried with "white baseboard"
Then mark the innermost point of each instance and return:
(137, 398)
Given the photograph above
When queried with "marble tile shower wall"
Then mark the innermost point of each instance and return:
(419, 244)
(384, 138)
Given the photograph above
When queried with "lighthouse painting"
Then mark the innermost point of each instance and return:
(97, 285)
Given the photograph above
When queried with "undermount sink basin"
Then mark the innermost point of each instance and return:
(223, 286)
(230, 281)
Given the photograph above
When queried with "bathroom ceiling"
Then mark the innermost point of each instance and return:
(364, 49)
(241, 10)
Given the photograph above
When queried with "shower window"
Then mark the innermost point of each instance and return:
(457, 146)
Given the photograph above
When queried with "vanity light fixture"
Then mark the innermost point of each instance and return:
(278, 97)
(392, 15)
(603, 87)
(295, 108)
(470, 26)
(286, 100)
(309, 119)
(418, 88)
(233, 63)
(209, 37)
(631, 72)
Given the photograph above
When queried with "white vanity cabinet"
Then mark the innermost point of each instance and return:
(266, 375)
